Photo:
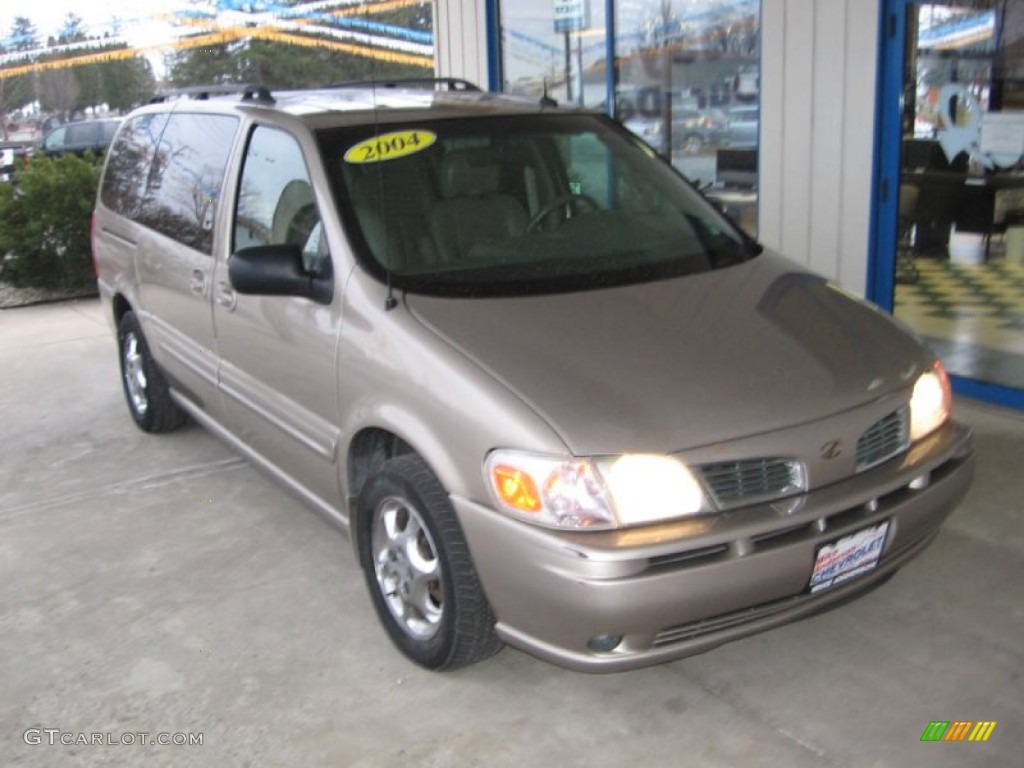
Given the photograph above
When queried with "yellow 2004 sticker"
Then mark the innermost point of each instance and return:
(389, 146)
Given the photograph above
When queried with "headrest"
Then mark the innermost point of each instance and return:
(296, 195)
(469, 172)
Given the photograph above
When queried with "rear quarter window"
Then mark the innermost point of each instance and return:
(124, 183)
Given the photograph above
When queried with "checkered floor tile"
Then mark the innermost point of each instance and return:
(972, 316)
(993, 291)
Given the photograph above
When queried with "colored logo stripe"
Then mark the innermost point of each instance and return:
(958, 730)
(982, 730)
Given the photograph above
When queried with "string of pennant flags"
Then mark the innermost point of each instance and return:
(340, 25)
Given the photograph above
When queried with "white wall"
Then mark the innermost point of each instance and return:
(460, 35)
(817, 122)
(818, 69)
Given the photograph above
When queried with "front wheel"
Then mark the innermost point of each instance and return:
(418, 569)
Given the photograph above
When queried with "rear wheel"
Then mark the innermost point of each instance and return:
(145, 388)
(418, 569)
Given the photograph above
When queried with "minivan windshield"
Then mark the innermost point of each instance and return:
(519, 205)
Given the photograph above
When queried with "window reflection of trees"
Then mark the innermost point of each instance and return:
(185, 178)
(125, 182)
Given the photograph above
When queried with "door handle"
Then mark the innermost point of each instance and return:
(198, 282)
(226, 296)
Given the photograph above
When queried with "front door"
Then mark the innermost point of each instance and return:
(278, 368)
(949, 259)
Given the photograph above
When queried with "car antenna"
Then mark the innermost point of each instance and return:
(390, 302)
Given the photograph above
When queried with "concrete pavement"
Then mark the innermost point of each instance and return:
(162, 585)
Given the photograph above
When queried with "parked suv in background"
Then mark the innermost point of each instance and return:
(556, 398)
(81, 137)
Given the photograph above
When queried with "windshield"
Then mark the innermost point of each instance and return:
(520, 205)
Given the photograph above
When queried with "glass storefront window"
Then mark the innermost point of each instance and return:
(960, 235)
(557, 46)
(689, 83)
(686, 78)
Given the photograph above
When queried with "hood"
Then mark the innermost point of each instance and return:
(686, 362)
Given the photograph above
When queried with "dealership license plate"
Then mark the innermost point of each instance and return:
(848, 558)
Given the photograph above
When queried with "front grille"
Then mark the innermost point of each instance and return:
(723, 622)
(726, 621)
(732, 483)
(884, 439)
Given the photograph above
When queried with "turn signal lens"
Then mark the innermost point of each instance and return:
(515, 488)
(556, 491)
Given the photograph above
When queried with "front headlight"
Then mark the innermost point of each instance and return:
(606, 493)
(930, 403)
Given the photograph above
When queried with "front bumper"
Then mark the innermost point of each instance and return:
(676, 589)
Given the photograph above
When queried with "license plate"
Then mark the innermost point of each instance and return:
(848, 558)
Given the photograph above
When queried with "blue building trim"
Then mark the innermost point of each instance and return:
(892, 28)
(990, 393)
(611, 70)
(492, 21)
(892, 33)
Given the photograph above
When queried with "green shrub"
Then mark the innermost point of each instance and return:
(44, 224)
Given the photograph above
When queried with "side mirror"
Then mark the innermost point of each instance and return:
(277, 270)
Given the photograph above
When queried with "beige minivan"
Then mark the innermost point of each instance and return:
(556, 398)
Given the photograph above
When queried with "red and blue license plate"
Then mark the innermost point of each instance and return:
(849, 557)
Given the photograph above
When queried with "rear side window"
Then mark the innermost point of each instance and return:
(82, 134)
(124, 184)
(185, 177)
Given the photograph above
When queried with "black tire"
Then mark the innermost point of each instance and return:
(145, 388)
(457, 628)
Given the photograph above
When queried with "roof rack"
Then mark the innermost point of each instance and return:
(452, 83)
(203, 92)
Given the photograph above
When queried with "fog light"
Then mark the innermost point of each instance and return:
(920, 483)
(604, 643)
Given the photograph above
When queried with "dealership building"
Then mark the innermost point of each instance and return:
(877, 142)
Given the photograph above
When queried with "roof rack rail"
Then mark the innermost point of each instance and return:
(203, 92)
(452, 83)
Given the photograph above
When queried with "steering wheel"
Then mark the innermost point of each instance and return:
(569, 200)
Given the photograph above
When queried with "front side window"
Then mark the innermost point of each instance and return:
(276, 205)
(56, 138)
(520, 205)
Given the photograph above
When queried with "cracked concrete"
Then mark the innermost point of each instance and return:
(160, 584)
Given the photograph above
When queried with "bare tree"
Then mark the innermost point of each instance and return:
(59, 91)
